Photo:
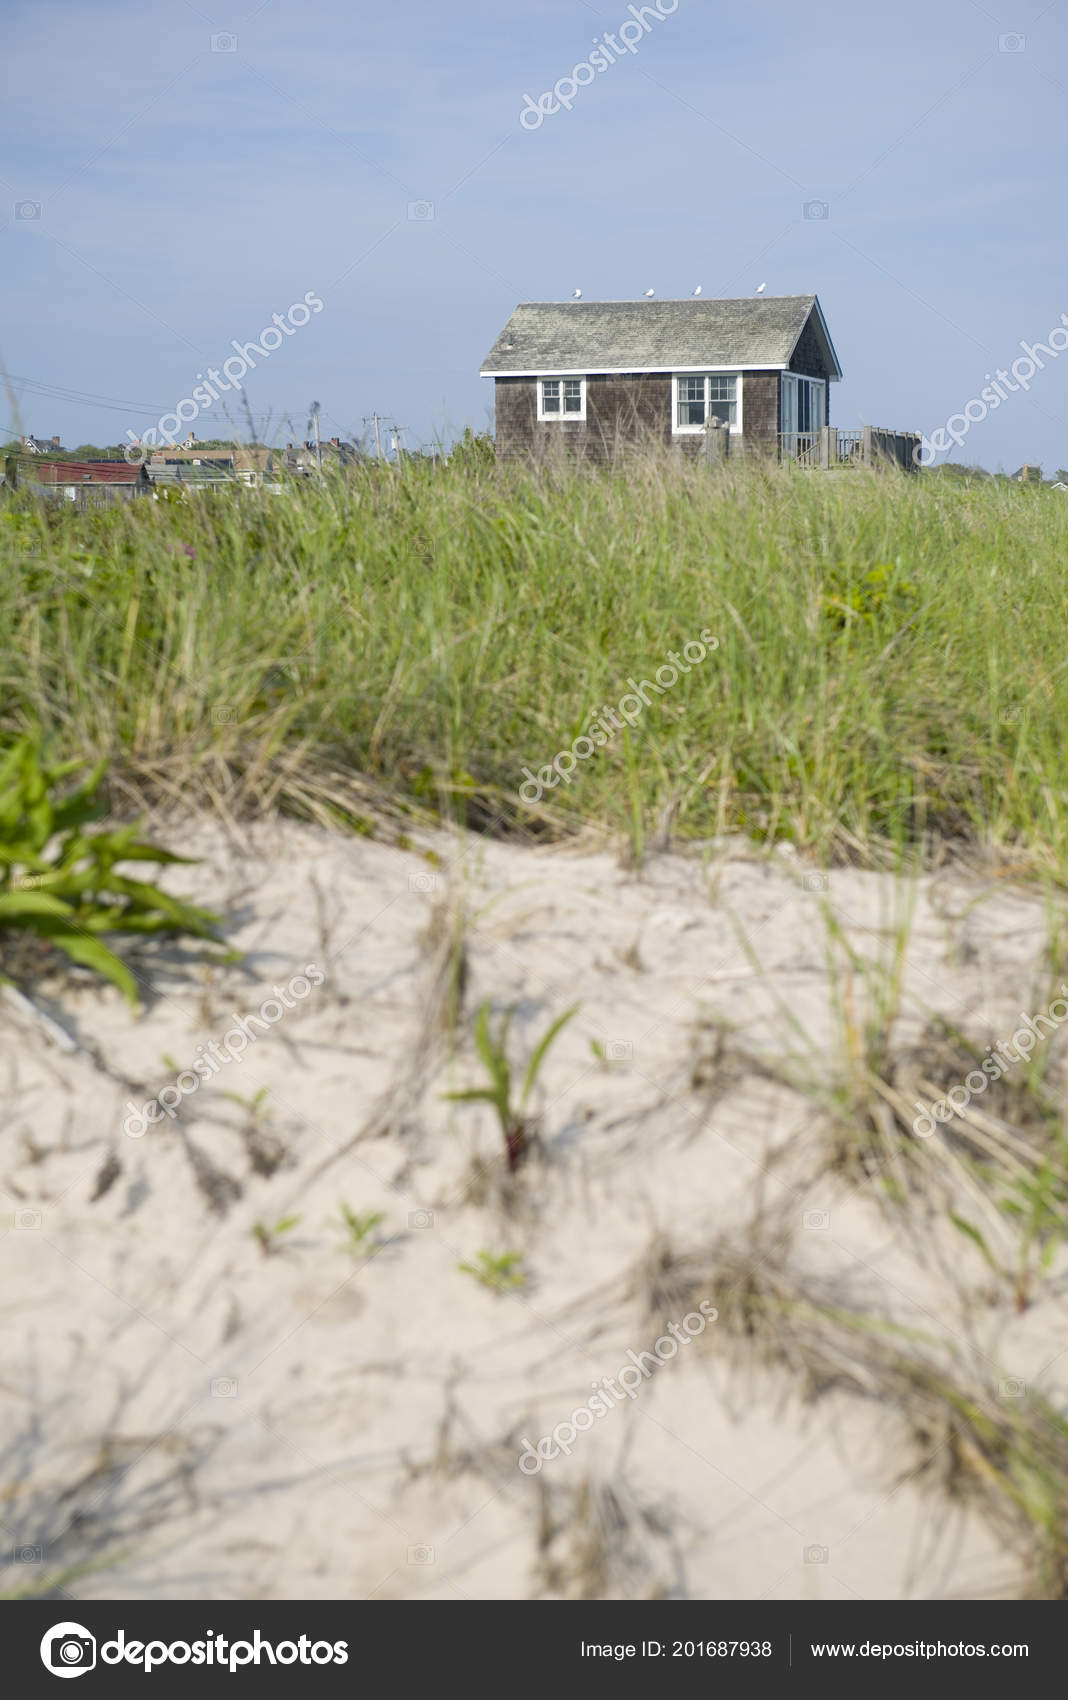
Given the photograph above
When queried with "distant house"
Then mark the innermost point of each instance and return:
(595, 378)
(194, 467)
(91, 483)
(42, 445)
(330, 452)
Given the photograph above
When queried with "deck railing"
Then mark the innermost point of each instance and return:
(870, 445)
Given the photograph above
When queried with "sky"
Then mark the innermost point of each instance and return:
(174, 176)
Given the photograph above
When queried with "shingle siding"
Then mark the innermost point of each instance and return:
(808, 357)
(623, 412)
(760, 407)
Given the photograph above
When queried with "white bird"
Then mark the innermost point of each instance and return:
(697, 291)
(576, 295)
(649, 292)
(761, 288)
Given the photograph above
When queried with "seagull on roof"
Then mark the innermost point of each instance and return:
(761, 288)
(649, 292)
(698, 290)
(576, 295)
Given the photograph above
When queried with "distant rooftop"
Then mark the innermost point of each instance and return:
(86, 472)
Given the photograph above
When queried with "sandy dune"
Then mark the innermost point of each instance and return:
(186, 1415)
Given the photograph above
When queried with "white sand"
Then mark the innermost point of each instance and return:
(363, 1434)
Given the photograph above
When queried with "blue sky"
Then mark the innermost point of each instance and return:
(190, 188)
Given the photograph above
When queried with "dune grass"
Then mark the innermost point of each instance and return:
(889, 672)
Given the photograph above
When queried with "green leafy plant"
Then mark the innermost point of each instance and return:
(360, 1225)
(880, 591)
(502, 1273)
(58, 881)
(515, 1124)
(269, 1238)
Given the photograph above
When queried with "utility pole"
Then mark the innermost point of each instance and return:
(374, 419)
(398, 446)
(315, 422)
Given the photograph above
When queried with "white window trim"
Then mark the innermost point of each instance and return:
(678, 430)
(560, 418)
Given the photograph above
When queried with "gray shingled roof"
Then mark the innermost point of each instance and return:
(657, 336)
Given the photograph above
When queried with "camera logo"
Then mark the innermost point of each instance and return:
(68, 1649)
(814, 882)
(420, 1218)
(1012, 43)
(816, 1555)
(420, 211)
(423, 882)
(816, 209)
(224, 42)
(619, 1050)
(28, 209)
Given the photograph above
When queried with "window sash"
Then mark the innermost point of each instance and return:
(560, 398)
(713, 395)
(692, 401)
(723, 398)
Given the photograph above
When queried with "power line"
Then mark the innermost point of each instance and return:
(60, 393)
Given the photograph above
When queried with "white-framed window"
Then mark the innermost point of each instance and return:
(700, 397)
(561, 398)
(804, 403)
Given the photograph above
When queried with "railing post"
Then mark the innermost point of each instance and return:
(867, 451)
(716, 444)
(827, 446)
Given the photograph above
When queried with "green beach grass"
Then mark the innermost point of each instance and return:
(890, 670)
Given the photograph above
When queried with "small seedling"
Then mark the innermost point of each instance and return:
(360, 1225)
(501, 1274)
(267, 1151)
(268, 1239)
(516, 1125)
(254, 1104)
